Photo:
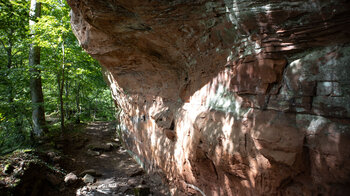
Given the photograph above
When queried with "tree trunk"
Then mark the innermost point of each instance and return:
(38, 115)
(9, 66)
(77, 101)
(61, 85)
(68, 111)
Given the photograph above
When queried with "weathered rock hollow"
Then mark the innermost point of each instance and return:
(229, 97)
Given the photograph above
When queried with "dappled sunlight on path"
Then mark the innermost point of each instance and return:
(98, 152)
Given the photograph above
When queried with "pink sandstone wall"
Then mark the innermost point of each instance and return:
(229, 97)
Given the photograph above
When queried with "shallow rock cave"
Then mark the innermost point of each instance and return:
(229, 97)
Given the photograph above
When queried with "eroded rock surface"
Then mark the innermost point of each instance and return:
(229, 97)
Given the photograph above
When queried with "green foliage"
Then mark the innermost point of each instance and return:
(86, 96)
(15, 122)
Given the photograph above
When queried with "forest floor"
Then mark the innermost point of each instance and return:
(93, 162)
(98, 149)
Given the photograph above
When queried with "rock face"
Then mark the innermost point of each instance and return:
(229, 97)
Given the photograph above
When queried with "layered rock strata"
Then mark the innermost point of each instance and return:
(229, 97)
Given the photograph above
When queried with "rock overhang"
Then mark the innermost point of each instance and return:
(228, 97)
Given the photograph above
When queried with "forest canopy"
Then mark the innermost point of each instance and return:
(72, 84)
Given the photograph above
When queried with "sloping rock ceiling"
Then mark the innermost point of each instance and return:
(229, 97)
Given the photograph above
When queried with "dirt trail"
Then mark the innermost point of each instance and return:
(116, 173)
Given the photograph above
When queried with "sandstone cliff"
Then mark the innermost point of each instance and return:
(229, 97)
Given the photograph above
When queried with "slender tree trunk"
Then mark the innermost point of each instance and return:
(9, 66)
(95, 109)
(38, 115)
(77, 101)
(66, 104)
(61, 85)
(58, 89)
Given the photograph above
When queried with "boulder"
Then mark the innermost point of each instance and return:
(93, 153)
(88, 178)
(91, 172)
(70, 178)
(101, 147)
